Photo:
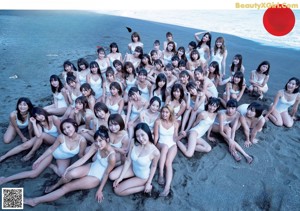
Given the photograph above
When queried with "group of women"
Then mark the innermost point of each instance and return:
(130, 114)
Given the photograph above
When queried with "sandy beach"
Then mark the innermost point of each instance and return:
(34, 45)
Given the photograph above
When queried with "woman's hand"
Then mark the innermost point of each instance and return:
(116, 182)
(32, 120)
(148, 187)
(99, 196)
(36, 164)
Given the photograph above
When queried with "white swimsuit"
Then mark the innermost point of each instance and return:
(20, 124)
(140, 165)
(218, 58)
(63, 152)
(202, 54)
(145, 93)
(99, 166)
(202, 127)
(130, 84)
(61, 102)
(96, 86)
(283, 104)
(52, 131)
(166, 136)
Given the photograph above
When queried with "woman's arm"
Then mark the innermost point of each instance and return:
(256, 129)
(13, 121)
(295, 106)
(129, 108)
(279, 94)
(199, 100)
(155, 131)
(241, 93)
(223, 63)
(228, 87)
(155, 159)
(235, 124)
(37, 129)
(82, 147)
(182, 108)
(121, 106)
(65, 94)
(196, 35)
(56, 122)
(246, 131)
(266, 79)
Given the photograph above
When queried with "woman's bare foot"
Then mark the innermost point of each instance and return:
(249, 159)
(27, 157)
(164, 193)
(49, 189)
(236, 156)
(161, 180)
(30, 202)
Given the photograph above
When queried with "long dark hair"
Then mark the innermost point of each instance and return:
(60, 84)
(29, 104)
(145, 127)
(161, 77)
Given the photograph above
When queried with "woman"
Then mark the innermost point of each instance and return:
(150, 115)
(143, 84)
(168, 52)
(94, 78)
(139, 167)
(135, 58)
(203, 46)
(205, 84)
(165, 138)
(67, 145)
(202, 124)
(115, 102)
(19, 121)
(45, 128)
(118, 137)
(83, 70)
(135, 42)
(252, 121)
(226, 124)
(114, 53)
(219, 54)
(102, 61)
(135, 106)
(69, 69)
(81, 177)
(61, 102)
(88, 92)
(235, 88)
(159, 89)
(195, 61)
(285, 98)
(259, 79)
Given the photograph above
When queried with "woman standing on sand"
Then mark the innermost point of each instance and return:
(81, 177)
(61, 102)
(203, 46)
(45, 128)
(19, 121)
(140, 165)
(259, 79)
(165, 138)
(219, 54)
(67, 145)
(285, 98)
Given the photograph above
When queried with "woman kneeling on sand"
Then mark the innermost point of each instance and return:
(140, 165)
(84, 176)
(67, 145)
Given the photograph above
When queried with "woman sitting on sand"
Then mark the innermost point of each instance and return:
(159, 89)
(143, 84)
(83, 70)
(226, 124)
(140, 165)
(61, 102)
(235, 88)
(118, 137)
(259, 79)
(150, 115)
(168, 52)
(67, 145)
(285, 98)
(19, 121)
(69, 68)
(115, 101)
(102, 61)
(202, 124)
(135, 58)
(219, 54)
(89, 93)
(252, 121)
(195, 61)
(81, 177)
(45, 128)
(95, 79)
(114, 53)
(165, 138)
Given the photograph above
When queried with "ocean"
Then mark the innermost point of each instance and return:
(244, 23)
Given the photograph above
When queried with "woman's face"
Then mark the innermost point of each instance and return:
(101, 114)
(135, 96)
(231, 110)
(94, 70)
(154, 56)
(101, 55)
(165, 114)
(68, 68)
(40, 117)
(142, 77)
(129, 69)
(114, 49)
(198, 75)
(236, 80)
(135, 38)
(219, 43)
(250, 113)
(212, 108)
(176, 94)
(175, 63)
(291, 85)
(236, 60)
(145, 60)
(68, 129)
(82, 67)
(170, 47)
(114, 127)
(264, 68)
(54, 83)
(193, 91)
(154, 106)
(114, 91)
(205, 38)
(212, 69)
(86, 92)
(110, 77)
(118, 67)
(136, 54)
(168, 72)
(72, 84)
(79, 105)
(23, 107)
(101, 143)
(195, 56)
(161, 83)
(142, 137)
